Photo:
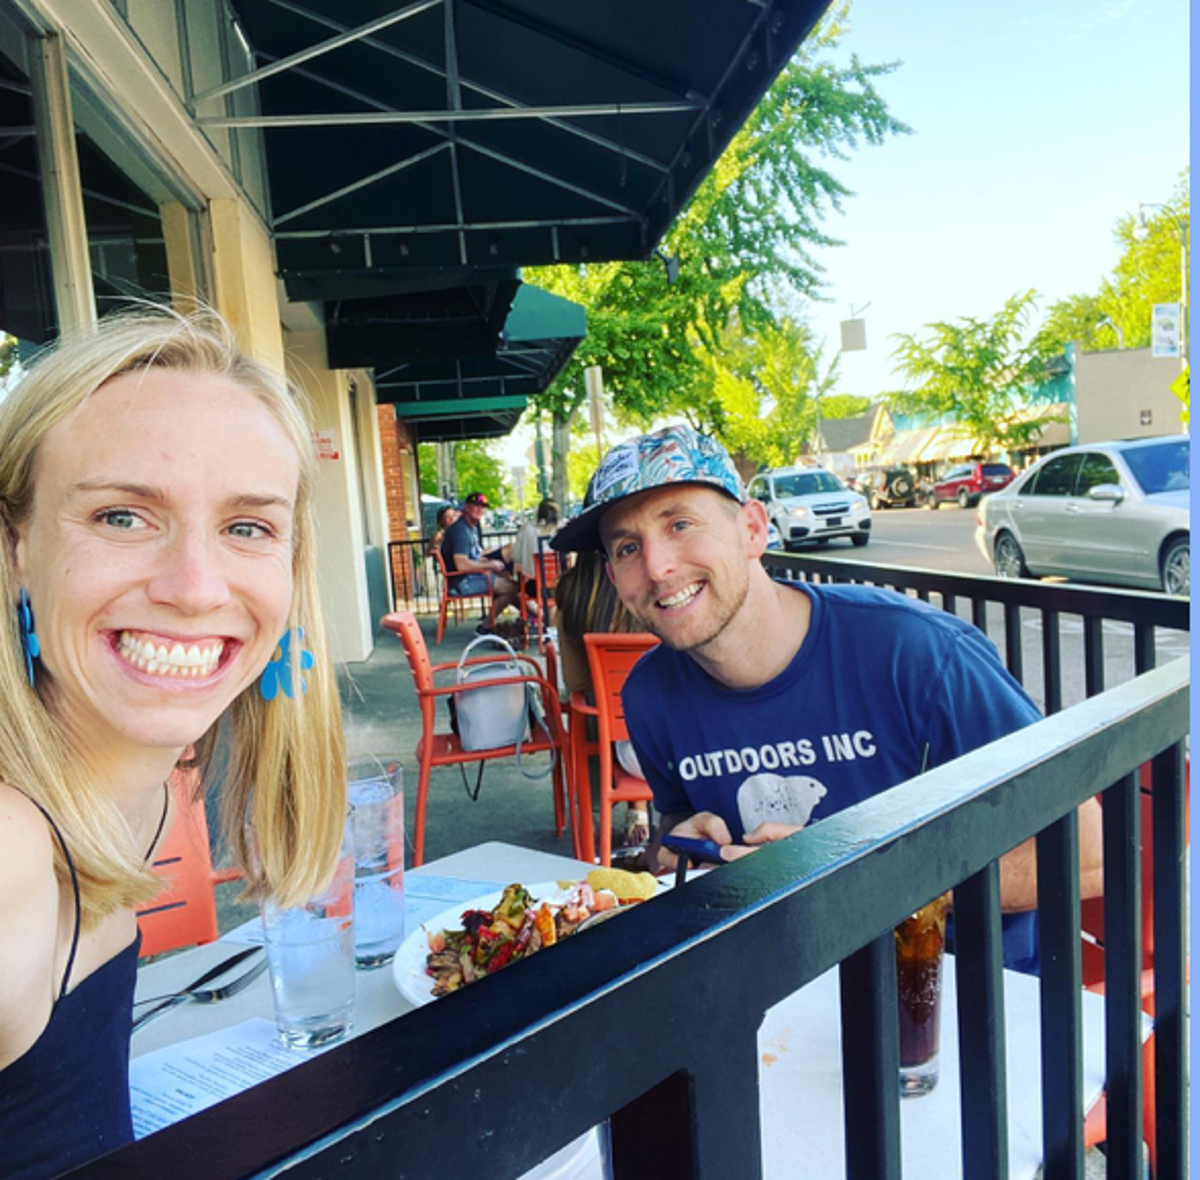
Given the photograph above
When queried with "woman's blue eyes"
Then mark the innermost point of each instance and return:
(125, 520)
(249, 530)
(119, 518)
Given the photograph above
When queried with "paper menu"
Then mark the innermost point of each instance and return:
(176, 1081)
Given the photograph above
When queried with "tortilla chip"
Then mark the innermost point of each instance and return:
(626, 885)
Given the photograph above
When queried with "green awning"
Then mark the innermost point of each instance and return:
(539, 315)
(540, 333)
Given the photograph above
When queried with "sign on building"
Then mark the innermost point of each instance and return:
(1164, 330)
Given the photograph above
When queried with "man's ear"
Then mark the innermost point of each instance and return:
(754, 520)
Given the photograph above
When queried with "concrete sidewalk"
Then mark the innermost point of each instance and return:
(382, 719)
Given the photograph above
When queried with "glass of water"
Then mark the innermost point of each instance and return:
(310, 957)
(376, 793)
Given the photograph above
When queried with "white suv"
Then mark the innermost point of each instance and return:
(809, 505)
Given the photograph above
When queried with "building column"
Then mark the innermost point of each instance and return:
(341, 543)
(74, 298)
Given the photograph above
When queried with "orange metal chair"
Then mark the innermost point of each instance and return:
(548, 565)
(610, 657)
(458, 601)
(185, 913)
(1092, 921)
(445, 749)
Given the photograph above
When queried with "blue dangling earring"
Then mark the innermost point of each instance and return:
(29, 640)
(278, 672)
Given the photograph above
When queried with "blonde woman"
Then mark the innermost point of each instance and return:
(155, 490)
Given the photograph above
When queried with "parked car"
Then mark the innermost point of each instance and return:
(968, 481)
(809, 505)
(890, 487)
(1115, 512)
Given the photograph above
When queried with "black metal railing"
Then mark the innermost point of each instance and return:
(1117, 633)
(489, 1081)
(416, 582)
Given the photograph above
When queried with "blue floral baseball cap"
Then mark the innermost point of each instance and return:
(675, 454)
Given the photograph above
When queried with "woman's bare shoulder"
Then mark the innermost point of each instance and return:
(25, 834)
(28, 922)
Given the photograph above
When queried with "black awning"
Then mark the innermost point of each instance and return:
(451, 134)
(453, 429)
(419, 327)
(538, 337)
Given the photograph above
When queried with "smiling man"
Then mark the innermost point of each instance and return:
(770, 704)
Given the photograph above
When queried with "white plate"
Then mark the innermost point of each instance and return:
(408, 966)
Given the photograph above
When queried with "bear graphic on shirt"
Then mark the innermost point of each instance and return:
(778, 798)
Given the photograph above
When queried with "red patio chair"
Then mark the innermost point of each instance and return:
(610, 658)
(548, 565)
(185, 913)
(1092, 921)
(445, 749)
(447, 599)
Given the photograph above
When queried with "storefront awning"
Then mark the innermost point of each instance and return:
(488, 133)
(482, 389)
(452, 348)
(949, 442)
(905, 446)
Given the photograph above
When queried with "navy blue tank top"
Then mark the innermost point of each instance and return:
(66, 1099)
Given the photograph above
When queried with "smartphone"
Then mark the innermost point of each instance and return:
(698, 851)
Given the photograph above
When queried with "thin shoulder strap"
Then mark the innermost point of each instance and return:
(62, 991)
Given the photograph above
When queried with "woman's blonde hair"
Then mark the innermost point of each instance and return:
(285, 770)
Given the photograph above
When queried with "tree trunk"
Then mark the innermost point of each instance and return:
(560, 446)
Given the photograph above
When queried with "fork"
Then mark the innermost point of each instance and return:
(207, 995)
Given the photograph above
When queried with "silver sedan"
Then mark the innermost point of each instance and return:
(1115, 512)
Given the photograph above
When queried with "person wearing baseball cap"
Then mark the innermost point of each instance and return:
(772, 704)
(462, 551)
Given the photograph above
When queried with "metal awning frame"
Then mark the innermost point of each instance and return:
(452, 140)
(446, 122)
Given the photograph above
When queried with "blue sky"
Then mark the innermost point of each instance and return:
(1036, 124)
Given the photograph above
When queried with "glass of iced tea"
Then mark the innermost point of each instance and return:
(920, 942)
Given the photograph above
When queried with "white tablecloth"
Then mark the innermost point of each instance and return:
(799, 1048)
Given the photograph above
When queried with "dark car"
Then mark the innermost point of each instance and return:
(891, 487)
(968, 481)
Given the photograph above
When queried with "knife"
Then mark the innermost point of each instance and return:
(208, 976)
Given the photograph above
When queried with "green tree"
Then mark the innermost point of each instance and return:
(977, 371)
(8, 359)
(475, 467)
(1149, 271)
(744, 244)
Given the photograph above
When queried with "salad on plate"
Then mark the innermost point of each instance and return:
(520, 924)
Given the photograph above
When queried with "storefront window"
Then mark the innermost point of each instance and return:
(26, 283)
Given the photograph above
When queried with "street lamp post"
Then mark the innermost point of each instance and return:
(1182, 229)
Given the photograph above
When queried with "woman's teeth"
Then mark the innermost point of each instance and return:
(681, 596)
(189, 663)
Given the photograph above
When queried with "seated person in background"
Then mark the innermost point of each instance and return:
(588, 604)
(446, 516)
(773, 704)
(525, 547)
(149, 588)
(462, 552)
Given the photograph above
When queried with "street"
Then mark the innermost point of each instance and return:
(945, 540)
(941, 540)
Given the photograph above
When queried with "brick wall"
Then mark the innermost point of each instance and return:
(396, 448)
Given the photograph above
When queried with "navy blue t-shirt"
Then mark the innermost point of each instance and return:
(461, 537)
(878, 677)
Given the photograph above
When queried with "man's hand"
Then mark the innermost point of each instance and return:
(704, 825)
(496, 565)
